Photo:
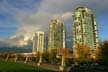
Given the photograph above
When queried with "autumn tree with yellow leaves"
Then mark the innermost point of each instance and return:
(81, 53)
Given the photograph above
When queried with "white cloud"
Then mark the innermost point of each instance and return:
(48, 9)
(67, 16)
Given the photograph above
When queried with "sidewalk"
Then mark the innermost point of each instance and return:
(45, 66)
(50, 67)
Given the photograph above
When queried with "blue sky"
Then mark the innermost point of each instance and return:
(8, 11)
(18, 17)
(103, 27)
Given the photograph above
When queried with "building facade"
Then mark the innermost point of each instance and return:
(85, 28)
(39, 42)
(56, 35)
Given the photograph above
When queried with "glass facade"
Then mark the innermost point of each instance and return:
(39, 42)
(84, 28)
(56, 35)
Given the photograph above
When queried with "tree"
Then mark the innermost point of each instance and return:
(4, 55)
(37, 57)
(81, 53)
(101, 53)
(67, 55)
(52, 56)
(45, 56)
(98, 54)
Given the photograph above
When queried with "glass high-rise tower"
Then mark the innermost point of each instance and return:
(56, 35)
(39, 42)
(85, 28)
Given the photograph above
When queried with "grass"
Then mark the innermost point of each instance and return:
(19, 67)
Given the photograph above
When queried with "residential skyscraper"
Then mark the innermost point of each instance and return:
(85, 28)
(56, 35)
(39, 42)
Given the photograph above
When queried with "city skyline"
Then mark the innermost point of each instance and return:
(54, 35)
(21, 17)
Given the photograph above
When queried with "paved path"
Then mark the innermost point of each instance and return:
(45, 66)
(50, 67)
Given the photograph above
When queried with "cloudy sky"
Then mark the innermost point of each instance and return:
(23, 17)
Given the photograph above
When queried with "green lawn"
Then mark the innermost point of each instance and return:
(19, 67)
